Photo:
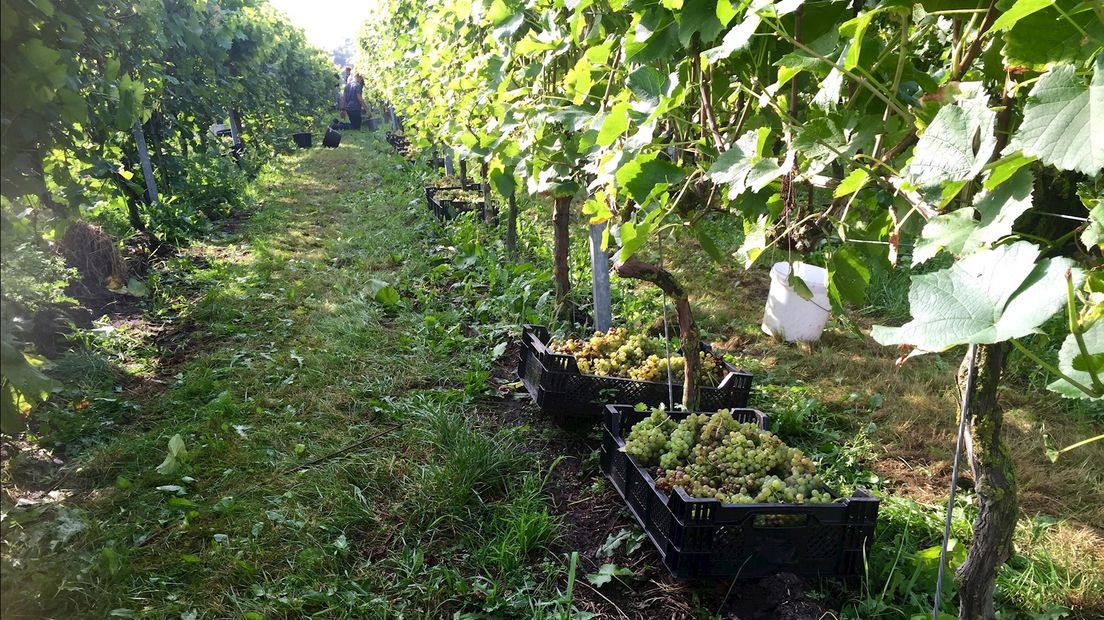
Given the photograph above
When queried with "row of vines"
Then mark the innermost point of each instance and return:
(106, 116)
(959, 139)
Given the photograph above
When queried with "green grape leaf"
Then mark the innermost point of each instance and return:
(959, 233)
(1074, 364)
(987, 297)
(606, 573)
(1046, 37)
(1093, 234)
(654, 36)
(642, 175)
(848, 276)
(649, 85)
(175, 458)
(755, 241)
(698, 17)
(383, 292)
(852, 183)
(1005, 168)
(947, 231)
(742, 168)
(955, 146)
(823, 140)
(503, 181)
(1018, 11)
(736, 40)
(798, 285)
(579, 80)
(854, 29)
(725, 11)
(1063, 122)
(615, 124)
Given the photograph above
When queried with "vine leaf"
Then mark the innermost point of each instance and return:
(852, 183)
(742, 168)
(848, 276)
(956, 145)
(755, 241)
(987, 297)
(854, 29)
(1018, 11)
(1063, 121)
(736, 40)
(1048, 37)
(24, 383)
(649, 86)
(615, 124)
(643, 175)
(959, 233)
(1073, 363)
(175, 457)
(698, 16)
(1094, 232)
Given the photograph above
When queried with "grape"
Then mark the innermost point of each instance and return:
(648, 437)
(617, 353)
(715, 456)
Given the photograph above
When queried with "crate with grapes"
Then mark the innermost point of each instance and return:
(721, 496)
(578, 378)
(447, 197)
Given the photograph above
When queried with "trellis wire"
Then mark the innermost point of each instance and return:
(967, 396)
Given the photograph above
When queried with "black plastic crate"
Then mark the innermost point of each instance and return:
(448, 209)
(557, 386)
(706, 538)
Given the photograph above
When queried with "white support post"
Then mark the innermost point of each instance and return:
(144, 158)
(600, 282)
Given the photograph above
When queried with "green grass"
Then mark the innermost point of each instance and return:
(291, 358)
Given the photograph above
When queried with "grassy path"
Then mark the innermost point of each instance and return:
(291, 359)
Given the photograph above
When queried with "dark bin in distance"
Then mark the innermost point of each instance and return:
(332, 139)
(302, 139)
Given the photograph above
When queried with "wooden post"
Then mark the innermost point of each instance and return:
(490, 214)
(561, 238)
(235, 127)
(463, 173)
(599, 278)
(447, 153)
(144, 158)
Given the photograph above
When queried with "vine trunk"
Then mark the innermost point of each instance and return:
(688, 330)
(995, 483)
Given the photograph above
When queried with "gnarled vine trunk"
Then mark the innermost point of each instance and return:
(995, 483)
(561, 218)
(688, 330)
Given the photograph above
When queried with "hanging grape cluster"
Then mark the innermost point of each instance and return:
(618, 353)
(716, 456)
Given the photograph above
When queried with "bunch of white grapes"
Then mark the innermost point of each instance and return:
(617, 353)
(715, 456)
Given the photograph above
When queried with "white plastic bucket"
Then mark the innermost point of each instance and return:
(787, 315)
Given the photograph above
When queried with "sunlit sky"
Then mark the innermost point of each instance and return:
(326, 22)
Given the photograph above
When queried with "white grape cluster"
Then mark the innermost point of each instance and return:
(715, 456)
(617, 353)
